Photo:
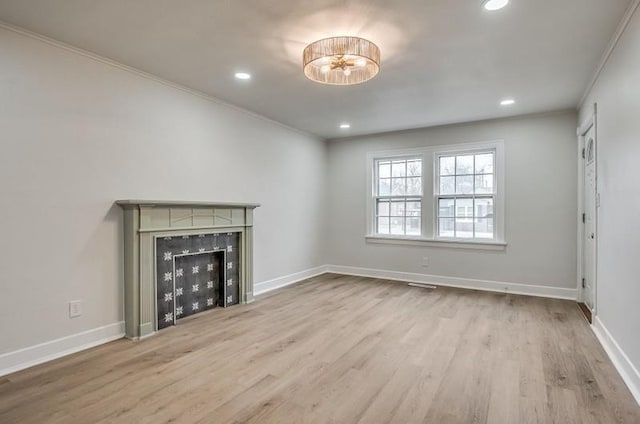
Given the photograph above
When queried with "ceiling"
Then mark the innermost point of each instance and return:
(443, 61)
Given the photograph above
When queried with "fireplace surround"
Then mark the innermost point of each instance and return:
(204, 248)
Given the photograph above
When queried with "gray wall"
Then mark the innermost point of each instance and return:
(617, 92)
(540, 203)
(77, 134)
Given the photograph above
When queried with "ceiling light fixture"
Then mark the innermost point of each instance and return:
(345, 126)
(341, 60)
(507, 102)
(492, 5)
(242, 76)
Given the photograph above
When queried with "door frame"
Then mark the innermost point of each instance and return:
(581, 132)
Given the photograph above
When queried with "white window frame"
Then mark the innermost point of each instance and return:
(437, 195)
(429, 212)
(377, 196)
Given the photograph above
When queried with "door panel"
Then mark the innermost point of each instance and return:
(590, 233)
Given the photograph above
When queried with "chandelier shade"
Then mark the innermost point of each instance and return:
(341, 60)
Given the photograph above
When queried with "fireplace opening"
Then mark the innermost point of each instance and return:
(198, 280)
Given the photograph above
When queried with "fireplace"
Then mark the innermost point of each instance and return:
(183, 258)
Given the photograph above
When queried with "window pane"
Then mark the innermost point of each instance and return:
(399, 215)
(484, 228)
(398, 186)
(384, 187)
(484, 208)
(399, 168)
(383, 208)
(413, 226)
(447, 165)
(384, 169)
(464, 227)
(414, 186)
(383, 226)
(464, 165)
(413, 209)
(446, 208)
(484, 163)
(447, 185)
(446, 227)
(464, 185)
(484, 184)
(414, 168)
(397, 208)
(397, 225)
(464, 208)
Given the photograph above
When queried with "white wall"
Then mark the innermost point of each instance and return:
(540, 203)
(617, 93)
(76, 134)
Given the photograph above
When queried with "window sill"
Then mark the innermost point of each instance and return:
(427, 242)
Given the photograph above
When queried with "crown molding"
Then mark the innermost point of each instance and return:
(146, 75)
(624, 23)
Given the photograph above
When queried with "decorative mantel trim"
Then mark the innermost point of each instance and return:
(146, 220)
(186, 203)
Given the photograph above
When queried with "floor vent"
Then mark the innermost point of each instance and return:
(422, 286)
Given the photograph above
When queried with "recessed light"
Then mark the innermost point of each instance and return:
(492, 5)
(345, 126)
(242, 76)
(507, 102)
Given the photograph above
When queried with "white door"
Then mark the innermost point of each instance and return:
(590, 233)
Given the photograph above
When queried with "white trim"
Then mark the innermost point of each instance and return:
(427, 242)
(276, 283)
(588, 123)
(465, 283)
(619, 358)
(33, 355)
(624, 23)
(143, 74)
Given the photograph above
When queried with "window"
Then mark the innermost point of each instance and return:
(398, 196)
(437, 196)
(465, 195)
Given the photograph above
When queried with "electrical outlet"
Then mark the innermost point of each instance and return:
(75, 308)
(425, 262)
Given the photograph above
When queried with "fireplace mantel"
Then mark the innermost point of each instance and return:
(147, 220)
(186, 203)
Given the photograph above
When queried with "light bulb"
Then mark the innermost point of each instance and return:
(325, 68)
(361, 63)
(325, 60)
(347, 72)
(493, 5)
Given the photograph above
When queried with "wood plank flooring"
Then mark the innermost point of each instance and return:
(339, 349)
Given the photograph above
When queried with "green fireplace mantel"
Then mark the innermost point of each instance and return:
(146, 220)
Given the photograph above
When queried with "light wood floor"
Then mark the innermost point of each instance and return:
(339, 349)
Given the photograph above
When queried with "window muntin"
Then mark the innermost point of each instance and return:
(465, 195)
(398, 196)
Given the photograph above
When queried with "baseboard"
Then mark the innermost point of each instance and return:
(27, 357)
(465, 283)
(276, 283)
(621, 361)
